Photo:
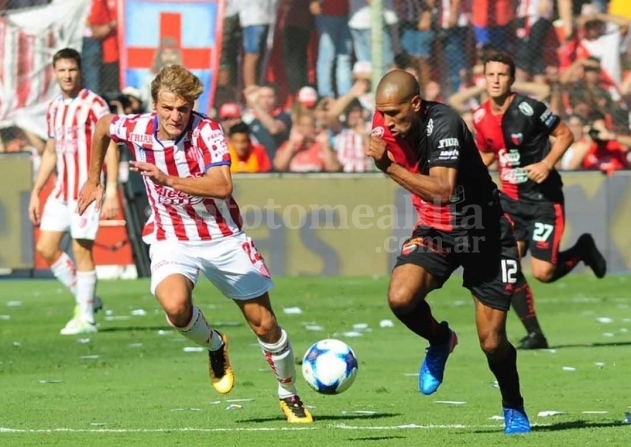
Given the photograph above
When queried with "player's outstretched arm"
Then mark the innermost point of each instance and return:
(92, 190)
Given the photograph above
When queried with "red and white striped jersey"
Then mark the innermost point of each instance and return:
(71, 123)
(349, 147)
(176, 215)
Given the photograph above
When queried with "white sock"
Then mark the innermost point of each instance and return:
(64, 270)
(86, 289)
(198, 331)
(280, 357)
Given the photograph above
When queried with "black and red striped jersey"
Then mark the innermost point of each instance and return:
(443, 139)
(520, 137)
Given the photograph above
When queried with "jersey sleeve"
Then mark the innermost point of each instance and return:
(478, 123)
(99, 109)
(213, 145)
(50, 120)
(545, 120)
(119, 127)
(445, 139)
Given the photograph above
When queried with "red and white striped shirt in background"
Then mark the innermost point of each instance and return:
(444, 11)
(176, 215)
(349, 147)
(71, 123)
(531, 11)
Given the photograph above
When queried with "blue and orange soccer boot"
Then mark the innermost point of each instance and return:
(516, 421)
(433, 368)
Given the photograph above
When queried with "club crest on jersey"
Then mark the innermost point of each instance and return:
(479, 115)
(526, 109)
(430, 127)
(517, 138)
(410, 246)
(378, 131)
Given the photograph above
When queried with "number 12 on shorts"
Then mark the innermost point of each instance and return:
(509, 271)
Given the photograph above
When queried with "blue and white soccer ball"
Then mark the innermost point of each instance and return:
(329, 366)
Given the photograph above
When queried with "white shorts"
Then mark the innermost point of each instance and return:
(232, 264)
(62, 216)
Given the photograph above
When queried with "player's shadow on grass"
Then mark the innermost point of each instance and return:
(573, 425)
(376, 438)
(593, 345)
(328, 417)
(562, 426)
(135, 329)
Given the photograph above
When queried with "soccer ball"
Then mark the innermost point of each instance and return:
(329, 366)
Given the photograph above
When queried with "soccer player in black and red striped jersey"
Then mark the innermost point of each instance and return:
(427, 148)
(515, 130)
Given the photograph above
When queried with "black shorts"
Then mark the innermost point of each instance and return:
(539, 224)
(488, 256)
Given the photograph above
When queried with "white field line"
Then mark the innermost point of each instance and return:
(5, 430)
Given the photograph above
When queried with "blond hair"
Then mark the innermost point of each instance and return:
(178, 80)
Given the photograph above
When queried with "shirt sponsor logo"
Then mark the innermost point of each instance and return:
(448, 142)
(169, 196)
(141, 138)
(526, 109)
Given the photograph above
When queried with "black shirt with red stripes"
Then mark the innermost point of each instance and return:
(443, 139)
(520, 137)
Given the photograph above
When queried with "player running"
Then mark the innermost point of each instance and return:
(515, 130)
(195, 225)
(426, 148)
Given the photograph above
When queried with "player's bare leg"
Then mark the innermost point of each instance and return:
(278, 354)
(60, 263)
(175, 294)
(63, 267)
(409, 285)
(523, 303)
(584, 249)
(502, 360)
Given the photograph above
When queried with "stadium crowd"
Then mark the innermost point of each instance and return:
(309, 110)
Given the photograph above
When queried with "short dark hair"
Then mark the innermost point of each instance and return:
(502, 58)
(240, 127)
(67, 53)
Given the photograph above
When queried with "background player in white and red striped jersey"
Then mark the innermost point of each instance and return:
(71, 120)
(195, 226)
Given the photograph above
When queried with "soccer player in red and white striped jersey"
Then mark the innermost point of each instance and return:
(71, 121)
(195, 226)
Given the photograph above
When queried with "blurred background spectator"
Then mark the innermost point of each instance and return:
(298, 74)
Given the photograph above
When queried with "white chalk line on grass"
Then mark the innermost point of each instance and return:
(5, 430)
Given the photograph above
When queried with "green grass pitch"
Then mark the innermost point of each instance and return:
(133, 384)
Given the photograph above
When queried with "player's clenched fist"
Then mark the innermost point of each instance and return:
(378, 152)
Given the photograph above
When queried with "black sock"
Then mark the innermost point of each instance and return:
(566, 261)
(504, 369)
(421, 321)
(524, 305)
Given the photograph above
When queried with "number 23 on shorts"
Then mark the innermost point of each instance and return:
(254, 255)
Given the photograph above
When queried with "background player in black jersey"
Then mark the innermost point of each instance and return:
(515, 130)
(427, 149)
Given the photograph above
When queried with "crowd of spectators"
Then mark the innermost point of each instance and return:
(309, 108)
